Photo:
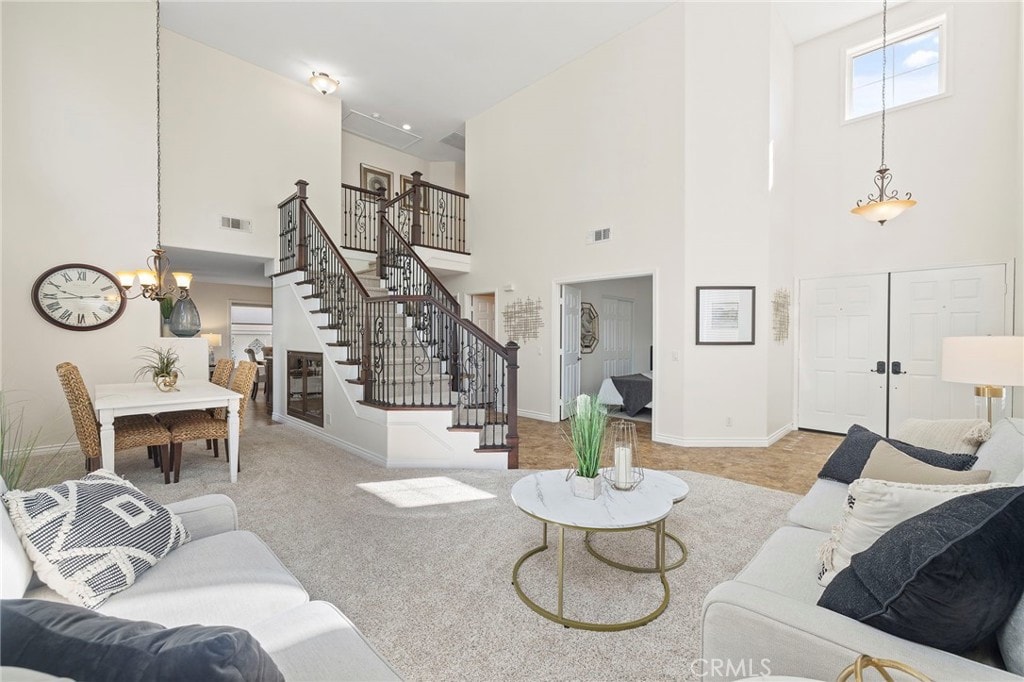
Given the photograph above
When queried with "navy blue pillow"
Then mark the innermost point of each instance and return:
(847, 462)
(947, 578)
(71, 641)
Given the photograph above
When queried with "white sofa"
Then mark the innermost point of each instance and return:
(224, 576)
(769, 611)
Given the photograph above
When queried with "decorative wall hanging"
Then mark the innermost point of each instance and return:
(376, 179)
(780, 315)
(523, 320)
(589, 320)
(725, 316)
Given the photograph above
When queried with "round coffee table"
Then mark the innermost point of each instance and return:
(547, 496)
(654, 483)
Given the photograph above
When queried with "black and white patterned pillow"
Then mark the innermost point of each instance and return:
(91, 538)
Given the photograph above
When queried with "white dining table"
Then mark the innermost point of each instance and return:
(118, 400)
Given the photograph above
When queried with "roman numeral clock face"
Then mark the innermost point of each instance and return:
(78, 297)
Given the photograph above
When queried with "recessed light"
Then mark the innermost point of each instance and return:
(406, 126)
(376, 115)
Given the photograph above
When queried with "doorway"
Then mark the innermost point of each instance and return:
(251, 326)
(481, 312)
(870, 344)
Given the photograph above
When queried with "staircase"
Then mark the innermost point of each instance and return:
(419, 385)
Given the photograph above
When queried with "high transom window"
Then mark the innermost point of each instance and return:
(915, 69)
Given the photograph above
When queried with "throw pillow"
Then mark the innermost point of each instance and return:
(1011, 640)
(947, 578)
(70, 641)
(962, 436)
(847, 461)
(886, 463)
(94, 537)
(874, 507)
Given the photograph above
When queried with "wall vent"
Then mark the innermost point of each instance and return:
(597, 236)
(456, 139)
(236, 224)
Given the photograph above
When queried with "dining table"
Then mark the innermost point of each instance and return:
(117, 400)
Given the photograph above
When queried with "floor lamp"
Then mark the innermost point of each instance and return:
(988, 362)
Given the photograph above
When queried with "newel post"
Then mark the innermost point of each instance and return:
(300, 248)
(512, 437)
(417, 202)
(382, 214)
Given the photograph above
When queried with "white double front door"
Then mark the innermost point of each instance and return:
(870, 344)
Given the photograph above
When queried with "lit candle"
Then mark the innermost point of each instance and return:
(623, 466)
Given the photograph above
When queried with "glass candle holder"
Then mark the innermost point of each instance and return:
(626, 472)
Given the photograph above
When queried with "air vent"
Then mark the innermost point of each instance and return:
(598, 236)
(377, 130)
(236, 224)
(456, 139)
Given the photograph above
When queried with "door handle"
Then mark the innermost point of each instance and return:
(897, 368)
(879, 367)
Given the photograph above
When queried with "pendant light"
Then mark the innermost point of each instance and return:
(887, 204)
(157, 282)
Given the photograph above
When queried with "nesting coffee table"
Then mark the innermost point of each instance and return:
(547, 497)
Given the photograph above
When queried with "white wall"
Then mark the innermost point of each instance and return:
(214, 303)
(2, 5)
(359, 150)
(562, 157)
(954, 154)
(235, 139)
(79, 181)
(639, 290)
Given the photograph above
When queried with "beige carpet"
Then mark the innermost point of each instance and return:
(430, 586)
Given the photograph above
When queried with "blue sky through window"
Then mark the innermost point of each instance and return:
(913, 72)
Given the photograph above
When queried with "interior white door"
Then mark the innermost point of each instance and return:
(482, 312)
(569, 348)
(617, 336)
(926, 306)
(842, 339)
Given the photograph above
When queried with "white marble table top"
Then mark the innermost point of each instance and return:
(662, 483)
(547, 496)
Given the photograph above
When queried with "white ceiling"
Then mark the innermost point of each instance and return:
(810, 19)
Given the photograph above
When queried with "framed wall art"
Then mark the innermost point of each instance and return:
(376, 179)
(589, 321)
(725, 316)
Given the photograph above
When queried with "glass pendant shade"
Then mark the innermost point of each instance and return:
(185, 318)
(880, 211)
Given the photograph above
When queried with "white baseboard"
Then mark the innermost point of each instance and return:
(765, 442)
(542, 416)
(70, 446)
(328, 438)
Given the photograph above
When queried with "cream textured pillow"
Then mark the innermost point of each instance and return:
(872, 508)
(886, 463)
(955, 436)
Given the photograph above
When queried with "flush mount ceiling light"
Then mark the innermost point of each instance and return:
(887, 204)
(322, 82)
(406, 126)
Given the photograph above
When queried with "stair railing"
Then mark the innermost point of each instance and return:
(434, 359)
(358, 218)
(342, 295)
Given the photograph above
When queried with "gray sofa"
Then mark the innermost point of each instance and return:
(224, 576)
(769, 611)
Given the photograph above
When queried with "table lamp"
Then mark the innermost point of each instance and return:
(988, 362)
(213, 341)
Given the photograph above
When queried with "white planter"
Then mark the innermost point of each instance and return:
(589, 488)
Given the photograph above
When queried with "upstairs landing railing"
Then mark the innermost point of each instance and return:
(428, 215)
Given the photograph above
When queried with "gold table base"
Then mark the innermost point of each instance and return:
(559, 617)
(685, 554)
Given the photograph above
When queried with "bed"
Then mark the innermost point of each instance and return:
(637, 387)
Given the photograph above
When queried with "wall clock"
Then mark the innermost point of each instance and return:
(78, 297)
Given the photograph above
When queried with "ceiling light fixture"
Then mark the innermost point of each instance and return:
(887, 204)
(154, 282)
(324, 83)
(406, 126)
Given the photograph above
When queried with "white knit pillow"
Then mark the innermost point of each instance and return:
(872, 508)
(955, 436)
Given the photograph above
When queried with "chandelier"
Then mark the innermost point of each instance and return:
(157, 282)
(887, 204)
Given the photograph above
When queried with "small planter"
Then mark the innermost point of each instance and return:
(166, 382)
(588, 488)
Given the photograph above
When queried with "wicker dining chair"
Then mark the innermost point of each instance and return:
(260, 372)
(221, 376)
(131, 431)
(200, 424)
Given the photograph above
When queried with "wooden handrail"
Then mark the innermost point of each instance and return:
(462, 322)
(356, 188)
(386, 225)
(430, 185)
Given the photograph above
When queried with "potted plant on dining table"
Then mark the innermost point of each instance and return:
(587, 426)
(162, 365)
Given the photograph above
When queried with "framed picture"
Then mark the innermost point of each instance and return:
(375, 179)
(589, 321)
(725, 316)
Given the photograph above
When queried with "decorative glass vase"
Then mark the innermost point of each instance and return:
(185, 318)
(625, 472)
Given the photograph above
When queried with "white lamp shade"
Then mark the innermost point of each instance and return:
(212, 339)
(983, 360)
(881, 211)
